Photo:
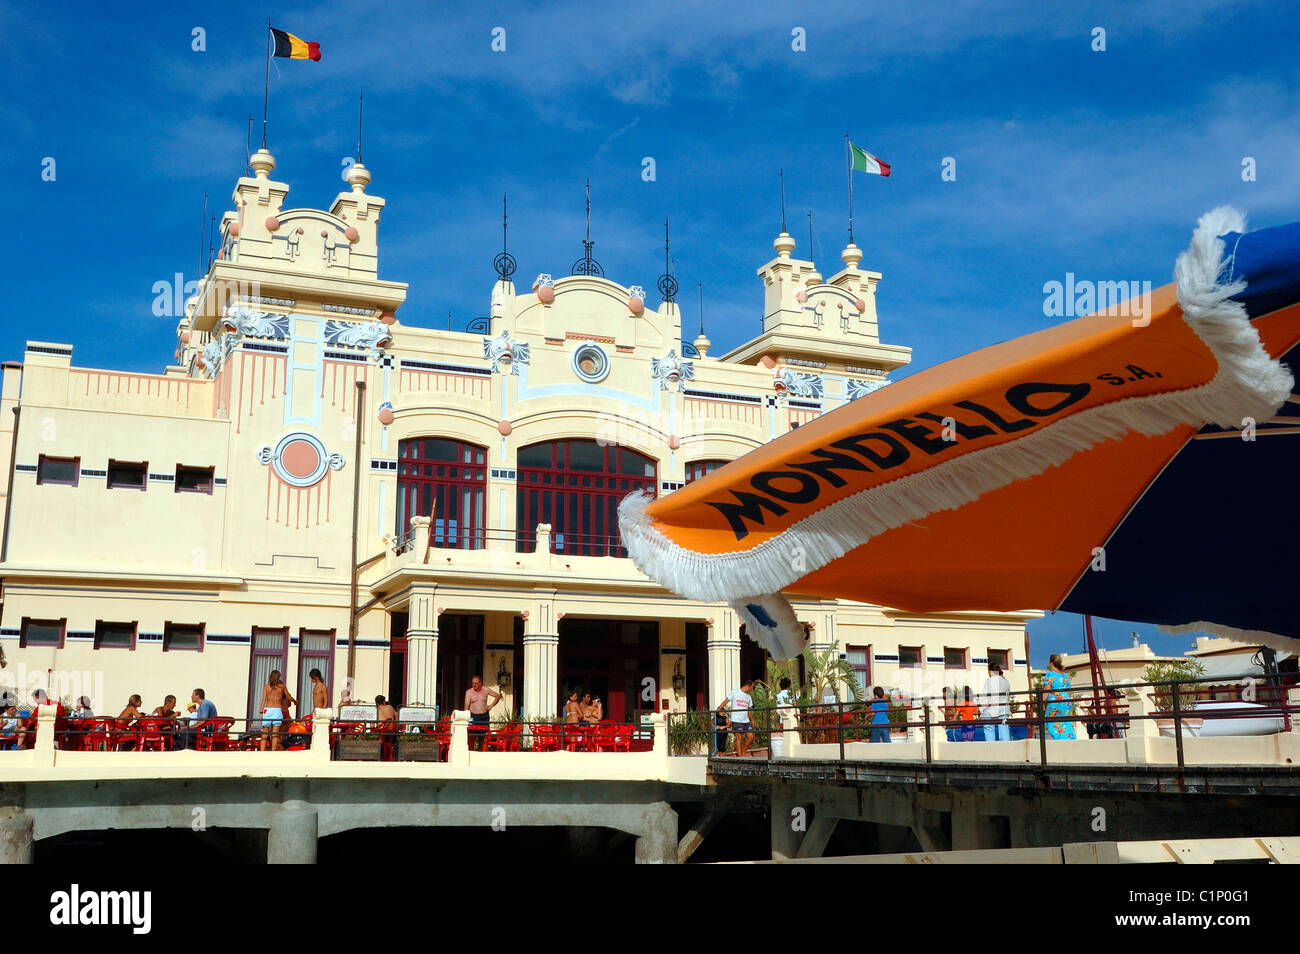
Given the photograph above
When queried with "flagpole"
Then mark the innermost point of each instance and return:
(266, 89)
(848, 149)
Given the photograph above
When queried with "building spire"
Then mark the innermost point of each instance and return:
(587, 265)
(702, 342)
(504, 263)
(667, 284)
(781, 174)
(361, 112)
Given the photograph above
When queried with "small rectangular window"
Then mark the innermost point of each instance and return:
(859, 657)
(1000, 658)
(114, 635)
(126, 474)
(58, 470)
(909, 657)
(42, 632)
(183, 636)
(954, 658)
(194, 480)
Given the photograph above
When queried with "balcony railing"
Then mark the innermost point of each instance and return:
(517, 541)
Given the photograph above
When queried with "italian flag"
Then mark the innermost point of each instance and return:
(288, 45)
(864, 161)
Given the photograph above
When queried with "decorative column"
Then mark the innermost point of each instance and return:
(422, 648)
(541, 657)
(723, 644)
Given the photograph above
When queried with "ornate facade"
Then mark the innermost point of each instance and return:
(196, 527)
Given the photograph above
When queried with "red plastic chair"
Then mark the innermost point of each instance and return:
(97, 735)
(505, 739)
(214, 735)
(577, 738)
(153, 735)
(546, 738)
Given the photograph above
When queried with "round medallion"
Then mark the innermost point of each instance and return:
(590, 362)
(299, 459)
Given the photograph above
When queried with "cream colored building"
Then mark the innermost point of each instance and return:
(195, 527)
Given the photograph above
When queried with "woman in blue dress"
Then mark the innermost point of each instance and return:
(1057, 700)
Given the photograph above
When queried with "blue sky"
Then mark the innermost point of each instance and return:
(1067, 159)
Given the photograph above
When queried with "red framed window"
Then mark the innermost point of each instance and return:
(194, 480)
(954, 658)
(576, 487)
(1000, 658)
(58, 470)
(270, 652)
(183, 636)
(911, 657)
(127, 474)
(859, 657)
(42, 632)
(447, 480)
(110, 635)
(698, 468)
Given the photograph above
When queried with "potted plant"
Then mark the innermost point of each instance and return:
(688, 732)
(1162, 675)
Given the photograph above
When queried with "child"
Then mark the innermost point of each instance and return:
(879, 715)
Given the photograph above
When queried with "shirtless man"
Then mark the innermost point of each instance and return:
(384, 711)
(275, 707)
(478, 703)
(320, 693)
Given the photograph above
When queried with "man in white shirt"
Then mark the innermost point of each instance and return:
(738, 703)
(995, 706)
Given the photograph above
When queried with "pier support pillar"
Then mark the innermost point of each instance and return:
(292, 838)
(17, 839)
(657, 843)
(790, 821)
(971, 828)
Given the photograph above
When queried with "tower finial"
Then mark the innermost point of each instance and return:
(361, 112)
(587, 265)
(504, 263)
(781, 174)
(702, 342)
(667, 284)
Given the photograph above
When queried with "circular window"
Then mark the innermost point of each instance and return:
(300, 459)
(590, 362)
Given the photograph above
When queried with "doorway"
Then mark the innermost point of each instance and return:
(616, 661)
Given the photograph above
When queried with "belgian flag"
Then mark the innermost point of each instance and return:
(288, 45)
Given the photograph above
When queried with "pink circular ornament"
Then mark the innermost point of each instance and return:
(505, 428)
(233, 231)
(545, 294)
(272, 223)
(801, 296)
(674, 442)
(351, 234)
(388, 318)
(767, 361)
(636, 305)
(860, 304)
(386, 416)
(185, 337)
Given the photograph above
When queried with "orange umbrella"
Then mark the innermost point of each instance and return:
(998, 480)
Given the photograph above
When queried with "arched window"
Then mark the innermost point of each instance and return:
(698, 468)
(445, 479)
(576, 487)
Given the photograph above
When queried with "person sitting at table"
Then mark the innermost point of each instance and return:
(167, 710)
(596, 712)
(39, 698)
(9, 726)
(201, 712)
(127, 718)
(586, 709)
(83, 709)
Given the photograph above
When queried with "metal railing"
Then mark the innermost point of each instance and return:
(1045, 714)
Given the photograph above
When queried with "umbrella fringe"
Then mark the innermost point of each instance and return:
(1248, 384)
(1263, 637)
